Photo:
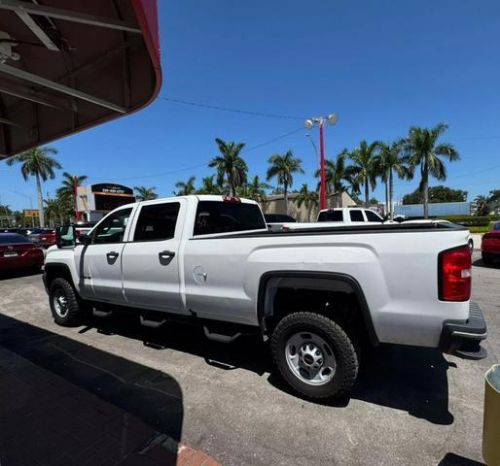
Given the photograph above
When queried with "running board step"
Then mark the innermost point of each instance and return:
(219, 337)
(101, 312)
(151, 323)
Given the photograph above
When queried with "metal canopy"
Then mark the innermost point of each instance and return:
(66, 65)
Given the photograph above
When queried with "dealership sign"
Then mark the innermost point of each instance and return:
(112, 189)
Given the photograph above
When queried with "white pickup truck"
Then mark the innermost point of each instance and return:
(336, 217)
(317, 295)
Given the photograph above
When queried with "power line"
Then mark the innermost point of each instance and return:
(232, 110)
(204, 164)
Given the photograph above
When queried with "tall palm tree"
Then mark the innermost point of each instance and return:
(483, 206)
(337, 174)
(256, 189)
(53, 211)
(391, 161)
(208, 186)
(38, 163)
(423, 149)
(364, 167)
(307, 198)
(68, 186)
(229, 164)
(185, 188)
(143, 193)
(283, 167)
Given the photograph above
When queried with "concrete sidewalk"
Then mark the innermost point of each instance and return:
(64, 403)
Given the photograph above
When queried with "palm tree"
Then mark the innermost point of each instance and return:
(483, 206)
(282, 168)
(208, 186)
(185, 188)
(256, 189)
(230, 166)
(53, 211)
(423, 149)
(5, 213)
(390, 161)
(338, 172)
(38, 163)
(308, 198)
(69, 183)
(364, 167)
(143, 193)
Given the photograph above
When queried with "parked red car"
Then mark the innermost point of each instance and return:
(47, 238)
(490, 246)
(18, 253)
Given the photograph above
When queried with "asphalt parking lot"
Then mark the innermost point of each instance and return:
(410, 407)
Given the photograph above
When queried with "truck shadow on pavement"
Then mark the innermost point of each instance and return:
(405, 378)
(64, 402)
(480, 263)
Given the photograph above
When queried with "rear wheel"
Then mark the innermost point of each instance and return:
(486, 258)
(315, 355)
(67, 309)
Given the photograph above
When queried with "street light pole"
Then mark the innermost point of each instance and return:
(322, 201)
(320, 121)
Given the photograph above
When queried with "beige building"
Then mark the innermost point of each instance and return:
(275, 204)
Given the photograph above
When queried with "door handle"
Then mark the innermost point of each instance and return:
(166, 257)
(111, 257)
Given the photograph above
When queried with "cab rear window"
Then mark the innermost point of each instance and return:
(224, 217)
(331, 216)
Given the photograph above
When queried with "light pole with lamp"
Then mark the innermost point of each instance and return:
(320, 121)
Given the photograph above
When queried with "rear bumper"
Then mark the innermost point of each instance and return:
(463, 339)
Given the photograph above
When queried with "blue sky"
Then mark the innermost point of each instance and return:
(381, 65)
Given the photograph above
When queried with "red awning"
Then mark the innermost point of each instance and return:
(66, 65)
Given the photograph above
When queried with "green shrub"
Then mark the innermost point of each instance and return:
(468, 220)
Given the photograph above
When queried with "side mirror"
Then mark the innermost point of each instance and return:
(85, 239)
(65, 236)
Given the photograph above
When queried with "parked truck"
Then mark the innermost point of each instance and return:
(317, 296)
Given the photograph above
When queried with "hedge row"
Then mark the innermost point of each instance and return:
(469, 220)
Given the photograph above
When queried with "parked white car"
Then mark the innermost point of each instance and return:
(319, 296)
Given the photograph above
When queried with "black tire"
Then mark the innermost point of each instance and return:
(74, 309)
(344, 351)
(486, 259)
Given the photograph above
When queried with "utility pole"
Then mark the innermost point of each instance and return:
(320, 121)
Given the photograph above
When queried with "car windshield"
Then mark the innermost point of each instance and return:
(12, 238)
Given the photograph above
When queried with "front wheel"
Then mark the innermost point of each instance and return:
(66, 308)
(315, 356)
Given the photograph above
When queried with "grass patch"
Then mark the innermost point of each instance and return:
(481, 229)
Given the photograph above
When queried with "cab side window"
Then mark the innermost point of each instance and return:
(157, 222)
(372, 216)
(112, 229)
(356, 216)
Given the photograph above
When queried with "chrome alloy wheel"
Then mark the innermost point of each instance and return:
(60, 302)
(310, 358)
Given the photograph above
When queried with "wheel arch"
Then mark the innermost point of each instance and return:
(271, 282)
(55, 270)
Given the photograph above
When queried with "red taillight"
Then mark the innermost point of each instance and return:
(455, 274)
